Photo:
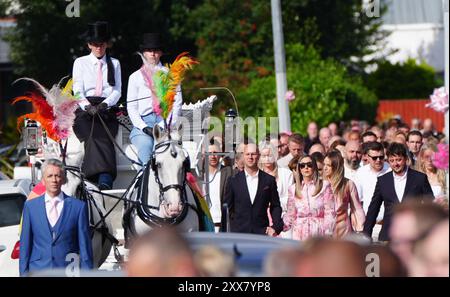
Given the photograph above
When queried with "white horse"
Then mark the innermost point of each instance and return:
(164, 196)
(101, 239)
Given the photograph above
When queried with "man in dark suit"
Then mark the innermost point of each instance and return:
(249, 193)
(401, 184)
(55, 227)
(218, 178)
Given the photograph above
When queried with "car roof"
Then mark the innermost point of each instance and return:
(249, 250)
(15, 186)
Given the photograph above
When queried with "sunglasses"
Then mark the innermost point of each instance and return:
(303, 165)
(381, 158)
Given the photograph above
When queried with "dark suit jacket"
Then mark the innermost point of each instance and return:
(417, 187)
(40, 248)
(246, 217)
(225, 173)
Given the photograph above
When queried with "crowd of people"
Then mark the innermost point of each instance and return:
(328, 189)
(339, 183)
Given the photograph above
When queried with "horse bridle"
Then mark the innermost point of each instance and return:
(162, 189)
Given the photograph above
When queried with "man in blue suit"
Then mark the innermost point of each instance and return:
(55, 229)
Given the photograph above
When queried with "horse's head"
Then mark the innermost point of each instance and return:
(169, 164)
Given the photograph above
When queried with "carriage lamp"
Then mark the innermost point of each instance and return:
(31, 137)
(230, 130)
(32, 146)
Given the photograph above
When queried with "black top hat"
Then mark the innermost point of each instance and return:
(98, 32)
(152, 41)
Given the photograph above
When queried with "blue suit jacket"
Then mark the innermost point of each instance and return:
(42, 248)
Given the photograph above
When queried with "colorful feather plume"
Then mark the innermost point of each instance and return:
(166, 83)
(54, 109)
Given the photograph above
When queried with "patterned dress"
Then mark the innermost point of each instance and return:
(310, 216)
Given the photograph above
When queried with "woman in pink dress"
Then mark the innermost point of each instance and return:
(345, 194)
(310, 206)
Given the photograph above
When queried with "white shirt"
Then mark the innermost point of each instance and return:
(285, 180)
(137, 88)
(85, 79)
(400, 184)
(214, 194)
(365, 181)
(284, 161)
(252, 184)
(350, 173)
(48, 204)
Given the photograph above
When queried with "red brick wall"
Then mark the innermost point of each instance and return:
(409, 109)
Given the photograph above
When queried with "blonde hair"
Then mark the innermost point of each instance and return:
(273, 151)
(211, 261)
(337, 178)
(420, 165)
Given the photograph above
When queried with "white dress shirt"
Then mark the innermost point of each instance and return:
(85, 79)
(214, 194)
(252, 184)
(350, 173)
(284, 161)
(137, 88)
(48, 204)
(400, 184)
(285, 180)
(365, 181)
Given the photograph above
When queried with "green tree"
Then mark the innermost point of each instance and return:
(408, 80)
(324, 92)
(45, 41)
(3, 7)
(232, 38)
(338, 29)
(235, 44)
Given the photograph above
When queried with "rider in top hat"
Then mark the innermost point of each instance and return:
(139, 97)
(97, 81)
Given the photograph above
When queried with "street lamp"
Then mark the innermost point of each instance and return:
(230, 130)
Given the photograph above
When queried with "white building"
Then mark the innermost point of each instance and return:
(417, 28)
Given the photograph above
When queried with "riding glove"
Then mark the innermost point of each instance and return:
(148, 131)
(102, 107)
(92, 110)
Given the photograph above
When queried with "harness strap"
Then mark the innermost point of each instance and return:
(114, 141)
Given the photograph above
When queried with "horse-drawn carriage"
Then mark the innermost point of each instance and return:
(152, 195)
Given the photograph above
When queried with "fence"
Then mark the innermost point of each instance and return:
(409, 109)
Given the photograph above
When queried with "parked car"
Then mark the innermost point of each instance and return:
(13, 194)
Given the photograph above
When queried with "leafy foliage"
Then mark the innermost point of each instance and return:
(408, 80)
(324, 92)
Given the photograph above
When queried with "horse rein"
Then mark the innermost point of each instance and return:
(181, 188)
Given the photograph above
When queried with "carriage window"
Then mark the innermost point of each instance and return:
(11, 207)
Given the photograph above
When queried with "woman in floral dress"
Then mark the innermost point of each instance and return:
(310, 206)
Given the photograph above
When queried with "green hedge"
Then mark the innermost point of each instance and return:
(409, 80)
